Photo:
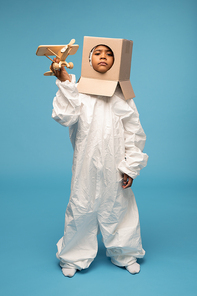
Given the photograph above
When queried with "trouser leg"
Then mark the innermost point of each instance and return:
(120, 229)
(78, 247)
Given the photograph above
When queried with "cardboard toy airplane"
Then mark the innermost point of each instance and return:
(61, 52)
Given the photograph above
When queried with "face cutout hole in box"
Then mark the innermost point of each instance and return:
(101, 58)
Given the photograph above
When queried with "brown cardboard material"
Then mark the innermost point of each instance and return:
(104, 84)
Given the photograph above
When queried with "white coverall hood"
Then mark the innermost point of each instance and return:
(90, 57)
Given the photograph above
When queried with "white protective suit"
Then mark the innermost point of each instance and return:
(108, 140)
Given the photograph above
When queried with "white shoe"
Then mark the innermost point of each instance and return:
(133, 268)
(70, 272)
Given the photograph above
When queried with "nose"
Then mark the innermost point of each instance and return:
(103, 55)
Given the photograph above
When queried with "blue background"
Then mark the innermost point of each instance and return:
(36, 155)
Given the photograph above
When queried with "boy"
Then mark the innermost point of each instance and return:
(108, 140)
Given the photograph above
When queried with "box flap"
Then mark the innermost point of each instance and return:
(127, 89)
(96, 86)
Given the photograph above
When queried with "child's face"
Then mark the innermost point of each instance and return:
(102, 58)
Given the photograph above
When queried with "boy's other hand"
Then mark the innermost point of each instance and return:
(61, 74)
(127, 181)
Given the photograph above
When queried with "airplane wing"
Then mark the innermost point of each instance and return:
(52, 50)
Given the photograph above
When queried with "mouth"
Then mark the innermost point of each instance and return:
(102, 64)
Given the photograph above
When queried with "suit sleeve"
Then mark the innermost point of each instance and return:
(66, 104)
(134, 138)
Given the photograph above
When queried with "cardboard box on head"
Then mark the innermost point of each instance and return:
(104, 84)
